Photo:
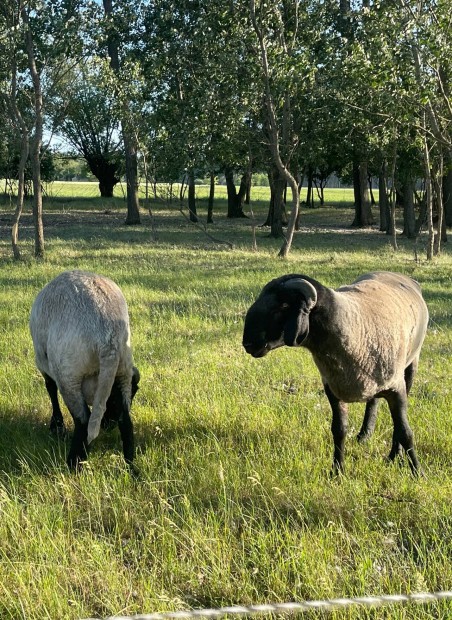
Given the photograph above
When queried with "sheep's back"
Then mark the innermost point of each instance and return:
(75, 320)
(391, 304)
(376, 328)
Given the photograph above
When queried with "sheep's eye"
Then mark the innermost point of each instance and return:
(284, 306)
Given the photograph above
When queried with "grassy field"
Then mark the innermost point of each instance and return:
(234, 503)
(80, 189)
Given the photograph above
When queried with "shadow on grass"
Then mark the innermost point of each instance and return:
(327, 229)
(26, 443)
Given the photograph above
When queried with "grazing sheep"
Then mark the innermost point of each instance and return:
(79, 324)
(365, 339)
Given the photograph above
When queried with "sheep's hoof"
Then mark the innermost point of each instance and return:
(361, 437)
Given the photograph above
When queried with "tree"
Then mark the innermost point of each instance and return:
(46, 38)
(279, 35)
(36, 142)
(201, 91)
(427, 33)
(115, 22)
(9, 51)
(85, 115)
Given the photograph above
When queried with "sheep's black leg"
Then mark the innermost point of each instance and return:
(338, 428)
(370, 418)
(126, 430)
(113, 408)
(79, 446)
(410, 371)
(80, 413)
(56, 422)
(403, 435)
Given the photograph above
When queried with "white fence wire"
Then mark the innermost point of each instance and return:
(293, 608)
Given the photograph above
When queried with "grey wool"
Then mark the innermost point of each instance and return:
(79, 324)
(365, 339)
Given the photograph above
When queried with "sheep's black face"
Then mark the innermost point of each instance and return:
(264, 326)
(279, 316)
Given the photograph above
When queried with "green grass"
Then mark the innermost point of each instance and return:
(234, 503)
(81, 189)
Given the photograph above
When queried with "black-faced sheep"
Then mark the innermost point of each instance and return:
(365, 339)
(79, 324)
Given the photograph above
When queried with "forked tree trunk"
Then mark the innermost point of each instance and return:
(274, 135)
(235, 199)
(105, 172)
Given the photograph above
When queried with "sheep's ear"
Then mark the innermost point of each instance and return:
(296, 328)
(304, 289)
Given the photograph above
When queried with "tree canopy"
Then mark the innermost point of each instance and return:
(294, 88)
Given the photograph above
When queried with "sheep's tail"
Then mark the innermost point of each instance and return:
(107, 374)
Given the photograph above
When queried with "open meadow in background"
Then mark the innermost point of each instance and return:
(234, 503)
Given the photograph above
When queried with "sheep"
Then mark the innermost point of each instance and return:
(365, 339)
(79, 325)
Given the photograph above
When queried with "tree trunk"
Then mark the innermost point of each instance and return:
(21, 128)
(372, 197)
(383, 200)
(36, 144)
(106, 188)
(248, 189)
(211, 198)
(128, 135)
(438, 196)
(392, 203)
(105, 172)
(363, 211)
(274, 136)
(182, 188)
(447, 191)
(191, 195)
(25, 148)
(130, 151)
(409, 218)
(310, 190)
(235, 200)
(276, 207)
(428, 200)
